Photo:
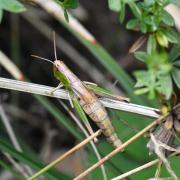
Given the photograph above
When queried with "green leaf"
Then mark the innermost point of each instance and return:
(165, 87)
(162, 39)
(12, 6)
(171, 36)
(1, 15)
(151, 45)
(176, 76)
(174, 53)
(122, 13)
(135, 9)
(140, 55)
(146, 82)
(149, 2)
(144, 78)
(141, 91)
(167, 18)
(70, 4)
(152, 22)
(132, 24)
(177, 63)
(143, 27)
(114, 5)
(66, 15)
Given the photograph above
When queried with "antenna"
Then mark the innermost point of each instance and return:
(48, 60)
(54, 40)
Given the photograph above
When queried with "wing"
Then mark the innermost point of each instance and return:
(104, 92)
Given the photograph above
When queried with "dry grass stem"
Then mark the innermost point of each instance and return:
(77, 121)
(119, 149)
(140, 168)
(16, 165)
(65, 155)
(158, 151)
(62, 94)
(13, 138)
(158, 169)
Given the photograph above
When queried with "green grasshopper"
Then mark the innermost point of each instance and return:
(82, 96)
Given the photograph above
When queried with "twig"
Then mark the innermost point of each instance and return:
(62, 94)
(75, 148)
(87, 135)
(158, 169)
(16, 165)
(9, 129)
(140, 168)
(13, 138)
(119, 149)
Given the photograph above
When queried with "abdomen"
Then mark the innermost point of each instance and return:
(99, 115)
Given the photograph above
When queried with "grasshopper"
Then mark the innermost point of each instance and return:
(82, 96)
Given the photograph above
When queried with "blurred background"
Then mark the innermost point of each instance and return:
(40, 124)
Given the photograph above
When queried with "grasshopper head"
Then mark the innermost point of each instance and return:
(59, 64)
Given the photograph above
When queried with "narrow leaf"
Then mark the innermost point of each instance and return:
(151, 45)
(132, 24)
(70, 4)
(176, 76)
(1, 15)
(141, 91)
(177, 63)
(80, 111)
(12, 6)
(66, 15)
(166, 86)
(135, 9)
(114, 5)
(162, 39)
(174, 53)
(171, 35)
(122, 12)
(167, 18)
(140, 55)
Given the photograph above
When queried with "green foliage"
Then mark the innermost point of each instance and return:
(31, 161)
(177, 2)
(114, 5)
(150, 18)
(158, 78)
(67, 4)
(11, 6)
